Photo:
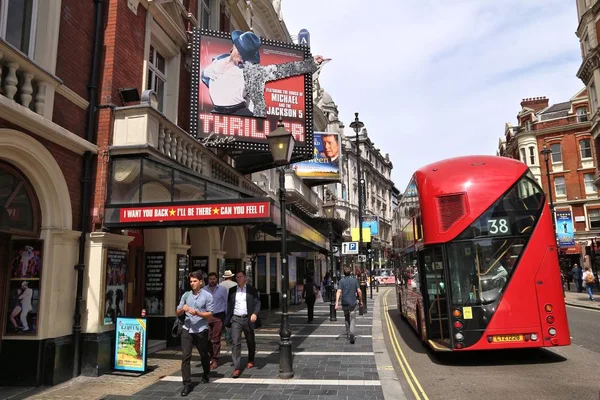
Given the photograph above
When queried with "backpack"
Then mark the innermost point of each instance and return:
(178, 323)
(589, 278)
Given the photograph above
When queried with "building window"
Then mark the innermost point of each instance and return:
(531, 155)
(556, 153)
(594, 218)
(528, 126)
(586, 44)
(588, 179)
(582, 115)
(18, 23)
(204, 13)
(559, 186)
(523, 155)
(157, 78)
(585, 146)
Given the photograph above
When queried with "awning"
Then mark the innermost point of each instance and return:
(571, 250)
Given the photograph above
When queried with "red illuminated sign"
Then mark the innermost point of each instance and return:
(196, 212)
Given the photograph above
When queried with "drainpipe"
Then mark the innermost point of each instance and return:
(86, 180)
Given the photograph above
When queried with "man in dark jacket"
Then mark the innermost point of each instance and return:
(577, 275)
(243, 306)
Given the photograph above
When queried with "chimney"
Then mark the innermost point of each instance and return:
(535, 103)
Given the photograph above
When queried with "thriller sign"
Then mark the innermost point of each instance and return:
(196, 212)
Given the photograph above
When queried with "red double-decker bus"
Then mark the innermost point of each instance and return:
(479, 267)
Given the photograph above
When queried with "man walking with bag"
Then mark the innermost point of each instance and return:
(348, 289)
(243, 306)
(197, 305)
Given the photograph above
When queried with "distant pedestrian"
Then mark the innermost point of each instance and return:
(327, 285)
(309, 294)
(588, 281)
(348, 290)
(215, 323)
(576, 273)
(228, 283)
(243, 306)
(197, 305)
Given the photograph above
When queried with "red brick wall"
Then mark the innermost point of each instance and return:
(70, 164)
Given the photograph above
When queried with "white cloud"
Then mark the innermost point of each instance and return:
(434, 78)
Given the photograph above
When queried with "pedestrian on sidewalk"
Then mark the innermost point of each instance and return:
(215, 323)
(577, 277)
(243, 306)
(348, 290)
(309, 294)
(327, 285)
(588, 281)
(228, 283)
(197, 306)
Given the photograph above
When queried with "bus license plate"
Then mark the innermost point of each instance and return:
(507, 338)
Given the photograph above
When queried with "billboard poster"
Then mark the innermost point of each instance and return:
(155, 283)
(182, 276)
(242, 85)
(325, 164)
(24, 287)
(114, 294)
(371, 222)
(130, 344)
(564, 229)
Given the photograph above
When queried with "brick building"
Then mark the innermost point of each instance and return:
(564, 128)
(94, 113)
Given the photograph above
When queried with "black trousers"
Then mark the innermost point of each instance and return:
(239, 325)
(188, 341)
(310, 305)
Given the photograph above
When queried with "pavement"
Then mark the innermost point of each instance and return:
(572, 298)
(325, 364)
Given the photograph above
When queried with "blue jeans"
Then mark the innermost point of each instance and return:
(590, 291)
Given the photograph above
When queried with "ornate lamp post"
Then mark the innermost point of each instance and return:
(282, 143)
(357, 125)
(329, 210)
(546, 153)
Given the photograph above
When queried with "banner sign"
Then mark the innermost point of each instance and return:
(196, 212)
(371, 222)
(242, 85)
(131, 344)
(325, 164)
(564, 229)
(155, 283)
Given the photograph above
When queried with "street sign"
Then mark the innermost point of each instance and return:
(304, 38)
(349, 248)
(362, 258)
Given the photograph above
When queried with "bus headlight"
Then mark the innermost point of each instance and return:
(459, 336)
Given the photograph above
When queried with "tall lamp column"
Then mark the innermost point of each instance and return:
(357, 125)
(329, 213)
(546, 153)
(281, 143)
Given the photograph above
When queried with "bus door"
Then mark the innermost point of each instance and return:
(435, 302)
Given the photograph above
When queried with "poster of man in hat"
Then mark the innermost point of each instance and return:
(247, 84)
(24, 287)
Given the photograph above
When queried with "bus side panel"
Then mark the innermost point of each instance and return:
(550, 292)
(412, 302)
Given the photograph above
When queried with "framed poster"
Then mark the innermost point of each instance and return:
(155, 283)
(200, 263)
(24, 286)
(115, 285)
(131, 344)
(182, 276)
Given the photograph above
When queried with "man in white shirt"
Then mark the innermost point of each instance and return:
(243, 306)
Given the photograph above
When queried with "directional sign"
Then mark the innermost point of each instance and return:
(349, 248)
(362, 258)
(304, 38)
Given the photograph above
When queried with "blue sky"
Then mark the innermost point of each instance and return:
(434, 79)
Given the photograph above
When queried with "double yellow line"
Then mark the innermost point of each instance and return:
(412, 380)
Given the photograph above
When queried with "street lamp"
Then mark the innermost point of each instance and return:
(546, 153)
(329, 214)
(357, 125)
(281, 143)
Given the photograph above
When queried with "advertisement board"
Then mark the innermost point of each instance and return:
(155, 283)
(325, 164)
(115, 285)
(564, 229)
(371, 222)
(130, 344)
(242, 85)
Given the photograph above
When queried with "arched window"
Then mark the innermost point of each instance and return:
(18, 202)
